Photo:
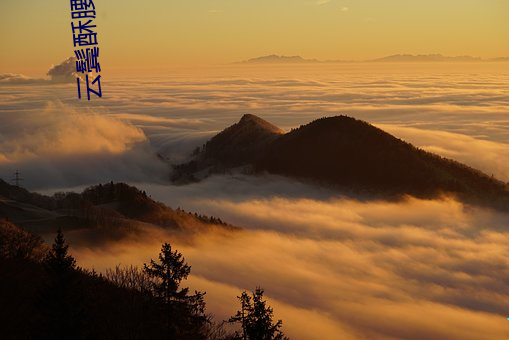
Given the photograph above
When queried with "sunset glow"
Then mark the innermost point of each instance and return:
(321, 169)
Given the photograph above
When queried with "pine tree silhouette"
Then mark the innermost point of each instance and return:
(255, 318)
(58, 261)
(185, 316)
(61, 300)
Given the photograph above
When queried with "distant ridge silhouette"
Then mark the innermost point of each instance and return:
(426, 58)
(277, 59)
(395, 58)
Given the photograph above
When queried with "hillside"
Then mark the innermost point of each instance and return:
(355, 157)
(44, 300)
(235, 146)
(116, 208)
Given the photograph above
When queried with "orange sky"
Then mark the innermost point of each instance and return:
(134, 35)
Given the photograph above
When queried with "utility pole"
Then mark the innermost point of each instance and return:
(17, 178)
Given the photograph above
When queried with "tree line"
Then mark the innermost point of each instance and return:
(48, 296)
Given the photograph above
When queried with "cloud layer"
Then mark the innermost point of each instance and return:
(419, 103)
(340, 268)
(64, 146)
(485, 155)
(420, 269)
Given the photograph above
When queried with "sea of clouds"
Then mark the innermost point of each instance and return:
(331, 266)
(458, 111)
(335, 267)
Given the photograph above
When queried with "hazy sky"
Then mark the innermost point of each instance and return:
(153, 33)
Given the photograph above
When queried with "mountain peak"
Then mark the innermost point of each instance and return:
(249, 117)
(241, 142)
(254, 122)
(238, 145)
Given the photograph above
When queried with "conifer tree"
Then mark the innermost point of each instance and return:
(61, 299)
(58, 260)
(255, 318)
(168, 274)
(185, 316)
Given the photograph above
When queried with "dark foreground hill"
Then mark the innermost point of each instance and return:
(348, 154)
(43, 299)
(44, 294)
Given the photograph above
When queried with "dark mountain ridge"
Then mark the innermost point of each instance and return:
(352, 156)
(117, 208)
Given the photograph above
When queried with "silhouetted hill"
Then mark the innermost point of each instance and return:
(115, 208)
(354, 154)
(359, 158)
(235, 146)
(16, 193)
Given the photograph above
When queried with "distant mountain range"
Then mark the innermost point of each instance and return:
(426, 58)
(397, 58)
(343, 153)
(276, 59)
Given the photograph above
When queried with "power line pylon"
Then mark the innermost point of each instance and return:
(17, 178)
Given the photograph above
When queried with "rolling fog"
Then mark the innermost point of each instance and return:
(345, 269)
(341, 268)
